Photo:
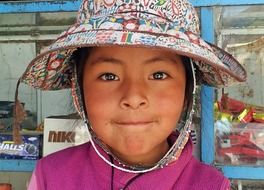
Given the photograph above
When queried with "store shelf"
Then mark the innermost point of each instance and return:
(17, 165)
(40, 6)
(243, 172)
(254, 172)
(73, 5)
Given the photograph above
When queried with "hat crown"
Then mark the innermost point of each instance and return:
(179, 14)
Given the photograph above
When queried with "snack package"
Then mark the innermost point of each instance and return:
(244, 144)
(29, 149)
(258, 117)
(246, 116)
(231, 105)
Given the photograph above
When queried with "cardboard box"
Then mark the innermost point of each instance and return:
(28, 150)
(61, 133)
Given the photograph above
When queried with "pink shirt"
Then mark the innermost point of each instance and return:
(81, 168)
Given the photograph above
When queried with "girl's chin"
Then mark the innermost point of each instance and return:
(140, 152)
(137, 157)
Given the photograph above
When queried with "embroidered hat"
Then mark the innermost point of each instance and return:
(170, 24)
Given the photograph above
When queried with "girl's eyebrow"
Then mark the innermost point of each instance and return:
(106, 60)
(112, 60)
(162, 59)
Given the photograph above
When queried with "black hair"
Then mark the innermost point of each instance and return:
(189, 81)
(79, 58)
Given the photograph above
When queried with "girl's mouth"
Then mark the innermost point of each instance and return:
(134, 123)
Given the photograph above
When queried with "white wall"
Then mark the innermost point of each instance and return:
(19, 180)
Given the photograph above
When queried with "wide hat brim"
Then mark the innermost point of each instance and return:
(53, 70)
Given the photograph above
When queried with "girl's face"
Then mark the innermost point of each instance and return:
(134, 98)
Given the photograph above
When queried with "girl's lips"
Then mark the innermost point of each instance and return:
(134, 123)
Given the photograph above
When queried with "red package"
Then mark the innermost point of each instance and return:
(246, 116)
(232, 105)
(258, 117)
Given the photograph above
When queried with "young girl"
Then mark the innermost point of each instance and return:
(132, 67)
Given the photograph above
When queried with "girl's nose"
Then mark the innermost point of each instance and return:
(134, 95)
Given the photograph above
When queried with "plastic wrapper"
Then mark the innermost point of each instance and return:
(246, 116)
(29, 149)
(239, 130)
(243, 143)
(232, 105)
(258, 117)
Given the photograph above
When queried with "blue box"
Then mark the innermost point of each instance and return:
(28, 150)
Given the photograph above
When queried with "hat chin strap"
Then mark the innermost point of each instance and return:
(172, 154)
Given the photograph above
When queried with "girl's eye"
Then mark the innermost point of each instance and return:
(108, 76)
(159, 76)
